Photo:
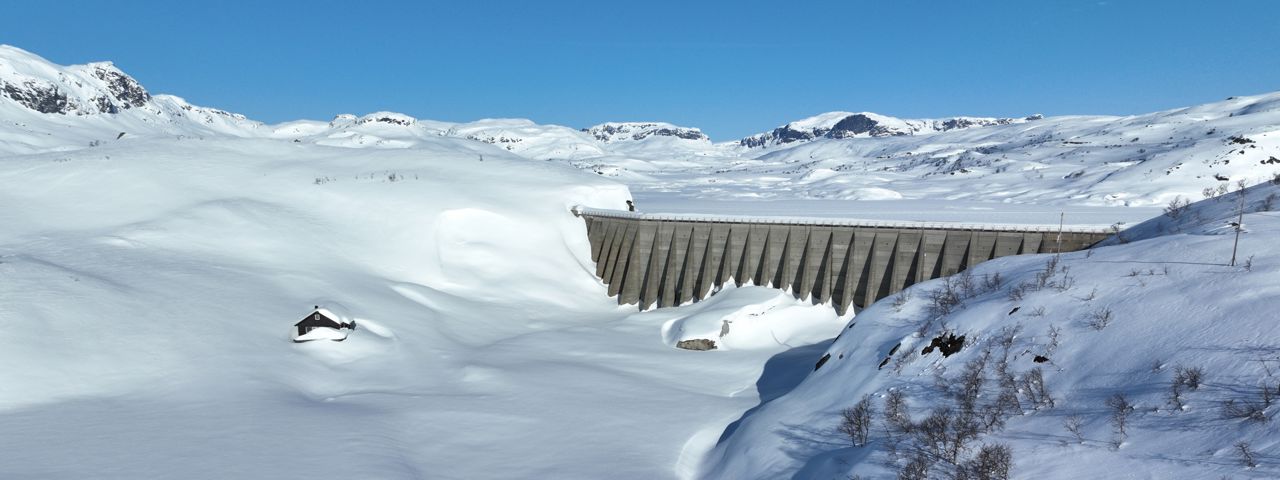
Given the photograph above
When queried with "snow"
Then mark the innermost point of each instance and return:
(321, 333)
(1174, 303)
(152, 279)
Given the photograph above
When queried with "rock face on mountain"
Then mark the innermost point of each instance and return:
(89, 89)
(621, 131)
(864, 124)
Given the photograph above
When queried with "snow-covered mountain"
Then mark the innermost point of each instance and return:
(866, 124)
(48, 106)
(1140, 160)
(636, 131)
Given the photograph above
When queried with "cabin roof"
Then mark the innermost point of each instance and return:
(321, 317)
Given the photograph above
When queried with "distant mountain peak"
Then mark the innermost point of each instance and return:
(93, 88)
(866, 124)
(634, 131)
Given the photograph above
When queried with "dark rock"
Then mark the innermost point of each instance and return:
(822, 361)
(947, 344)
(41, 98)
(1040, 359)
(123, 87)
(699, 344)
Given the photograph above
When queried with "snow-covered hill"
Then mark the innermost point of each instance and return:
(1148, 358)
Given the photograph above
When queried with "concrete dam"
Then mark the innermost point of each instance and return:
(668, 260)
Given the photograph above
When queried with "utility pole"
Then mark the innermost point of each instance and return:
(1239, 224)
(1062, 217)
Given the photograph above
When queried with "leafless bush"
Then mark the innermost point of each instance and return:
(1190, 377)
(1248, 264)
(1269, 203)
(901, 299)
(1119, 234)
(971, 382)
(1092, 295)
(945, 299)
(1035, 390)
(1245, 452)
(992, 282)
(1184, 378)
(855, 422)
(1074, 424)
(896, 418)
(1099, 319)
(1054, 334)
(1269, 394)
(1018, 292)
(1120, 410)
(1046, 274)
(1037, 312)
(916, 469)
(1176, 206)
(1256, 412)
(944, 436)
(991, 463)
(1275, 178)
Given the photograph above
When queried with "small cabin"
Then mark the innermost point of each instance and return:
(321, 318)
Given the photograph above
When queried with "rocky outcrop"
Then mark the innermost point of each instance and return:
(610, 132)
(700, 344)
(854, 125)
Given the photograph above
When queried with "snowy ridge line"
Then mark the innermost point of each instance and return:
(580, 210)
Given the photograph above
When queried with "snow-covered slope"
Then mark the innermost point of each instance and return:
(1134, 320)
(151, 284)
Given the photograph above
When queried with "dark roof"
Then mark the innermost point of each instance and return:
(318, 319)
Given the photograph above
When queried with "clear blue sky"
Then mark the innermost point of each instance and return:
(731, 68)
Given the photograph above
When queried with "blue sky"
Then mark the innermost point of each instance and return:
(730, 68)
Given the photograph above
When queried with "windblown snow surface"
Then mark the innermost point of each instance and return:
(155, 256)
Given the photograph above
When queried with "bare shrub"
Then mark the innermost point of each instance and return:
(1099, 319)
(1245, 452)
(991, 463)
(1269, 203)
(1074, 424)
(1035, 390)
(896, 418)
(1055, 334)
(945, 299)
(1184, 378)
(1176, 206)
(1120, 410)
(1190, 377)
(916, 469)
(1256, 412)
(855, 422)
(943, 435)
(901, 299)
(992, 282)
